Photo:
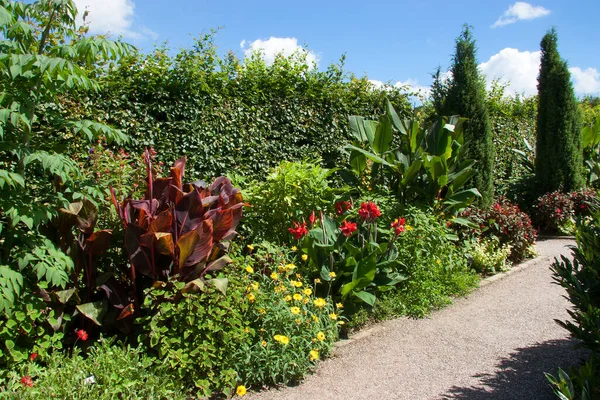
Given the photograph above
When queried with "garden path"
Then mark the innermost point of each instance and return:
(494, 344)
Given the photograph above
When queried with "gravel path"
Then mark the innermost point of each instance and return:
(494, 344)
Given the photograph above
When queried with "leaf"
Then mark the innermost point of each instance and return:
(368, 298)
(164, 243)
(187, 244)
(369, 155)
(63, 296)
(218, 264)
(220, 284)
(126, 312)
(358, 162)
(383, 135)
(5, 17)
(94, 311)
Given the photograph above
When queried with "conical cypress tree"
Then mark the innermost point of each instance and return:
(465, 95)
(559, 157)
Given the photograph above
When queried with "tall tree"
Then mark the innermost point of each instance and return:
(464, 94)
(558, 162)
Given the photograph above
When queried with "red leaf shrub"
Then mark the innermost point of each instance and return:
(506, 222)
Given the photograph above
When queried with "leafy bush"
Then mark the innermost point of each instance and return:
(554, 213)
(584, 202)
(109, 370)
(291, 191)
(196, 329)
(488, 257)
(580, 278)
(506, 222)
(293, 326)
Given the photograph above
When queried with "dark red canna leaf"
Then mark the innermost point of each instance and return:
(138, 257)
(126, 312)
(186, 244)
(98, 241)
(204, 245)
(162, 223)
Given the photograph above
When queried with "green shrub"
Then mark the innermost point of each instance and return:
(293, 326)
(580, 278)
(109, 370)
(291, 191)
(195, 331)
(489, 257)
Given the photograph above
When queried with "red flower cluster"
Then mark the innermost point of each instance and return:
(299, 230)
(27, 381)
(33, 356)
(342, 206)
(398, 225)
(81, 335)
(347, 228)
(368, 211)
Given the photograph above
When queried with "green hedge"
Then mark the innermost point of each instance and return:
(227, 115)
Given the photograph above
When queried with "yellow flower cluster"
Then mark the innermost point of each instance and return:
(314, 355)
(320, 302)
(281, 339)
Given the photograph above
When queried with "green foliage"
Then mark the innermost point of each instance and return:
(464, 94)
(558, 163)
(489, 257)
(555, 213)
(590, 136)
(293, 327)
(580, 278)
(196, 330)
(43, 59)
(224, 115)
(418, 166)
(290, 191)
(513, 126)
(108, 370)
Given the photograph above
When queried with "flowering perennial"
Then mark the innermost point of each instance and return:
(369, 211)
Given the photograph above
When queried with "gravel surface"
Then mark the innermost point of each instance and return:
(494, 344)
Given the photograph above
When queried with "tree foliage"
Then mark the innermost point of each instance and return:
(464, 94)
(559, 159)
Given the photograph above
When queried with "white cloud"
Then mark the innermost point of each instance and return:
(112, 16)
(410, 86)
(520, 70)
(520, 11)
(586, 81)
(273, 46)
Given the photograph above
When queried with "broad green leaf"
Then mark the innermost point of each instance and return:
(367, 297)
(220, 284)
(94, 311)
(383, 135)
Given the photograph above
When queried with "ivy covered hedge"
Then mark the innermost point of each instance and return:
(227, 115)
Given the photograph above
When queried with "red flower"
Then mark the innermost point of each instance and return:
(312, 218)
(368, 211)
(298, 230)
(81, 334)
(342, 206)
(347, 228)
(27, 381)
(33, 356)
(497, 207)
(398, 225)
(558, 211)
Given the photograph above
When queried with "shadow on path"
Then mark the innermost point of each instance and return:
(521, 375)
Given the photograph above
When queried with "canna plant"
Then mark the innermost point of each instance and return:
(590, 136)
(179, 230)
(358, 259)
(425, 165)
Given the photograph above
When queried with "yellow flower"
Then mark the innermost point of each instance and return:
(246, 329)
(251, 297)
(332, 274)
(321, 336)
(315, 318)
(249, 269)
(314, 355)
(438, 261)
(254, 285)
(341, 322)
(317, 280)
(274, 276)
(296, 283)
(408, 227)
(305, 300)
(339, 305)
(282, 339)
(250, 247)
(281, 268)
(295, 310)
(320, 302)
(333, 316)
(262, 311)
(289, 267)
(288, 298)
(294, 248)
(280, 289)
(263, 343)
(241, 390)
(298, 322)
(308, 291)
(304, 257)
(297, 297)
(298, 276)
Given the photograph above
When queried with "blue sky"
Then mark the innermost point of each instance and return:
(389, 41)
